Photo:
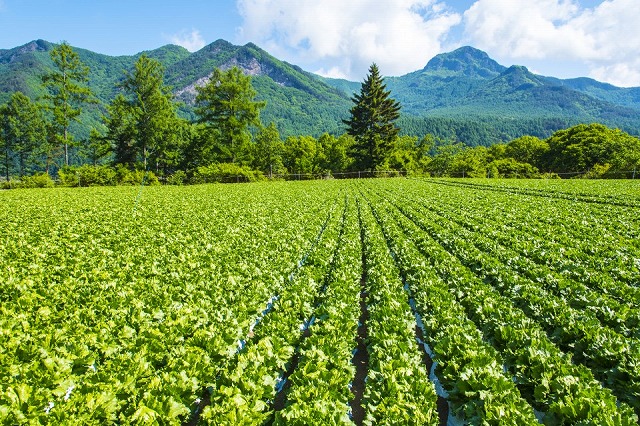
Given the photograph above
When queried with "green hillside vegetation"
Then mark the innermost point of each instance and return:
(465, 86)
(459, 116)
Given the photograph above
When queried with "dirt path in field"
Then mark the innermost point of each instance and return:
(361, 357)
(441, 404)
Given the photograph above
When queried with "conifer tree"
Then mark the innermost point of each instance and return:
(67, 92)
(226, 106)
(142, 123)
(22, 131)
(372, 122)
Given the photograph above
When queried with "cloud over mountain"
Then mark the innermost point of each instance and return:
(190, 40)
(604, 37)
(346, 37)
(555, 37)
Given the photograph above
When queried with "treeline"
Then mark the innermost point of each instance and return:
(586, 151)
(143, 138)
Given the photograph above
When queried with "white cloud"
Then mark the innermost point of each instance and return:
(343, 38)
(603, 39)
(192, 41)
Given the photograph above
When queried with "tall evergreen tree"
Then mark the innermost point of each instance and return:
(121, 131)
(142, 122)
(226, 105)
(372, 122)
(67, 92)
(22, 130)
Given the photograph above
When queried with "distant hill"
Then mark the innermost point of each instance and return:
(297, 101)
(467, 95)
(464, 94)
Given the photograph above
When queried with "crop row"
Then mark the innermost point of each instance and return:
(338, 302)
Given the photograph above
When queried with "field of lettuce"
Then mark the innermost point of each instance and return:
(376, 302)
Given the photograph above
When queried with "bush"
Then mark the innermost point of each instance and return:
(510, 168)
(125, 176)
(39, 180)
(68, 176)
(598, 171)
(87, 175)
(11, 184)
(226, 172)
(178, 178)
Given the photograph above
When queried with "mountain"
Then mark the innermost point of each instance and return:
(297, 101)
(464, 94)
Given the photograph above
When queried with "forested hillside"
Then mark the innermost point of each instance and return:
(464, 95)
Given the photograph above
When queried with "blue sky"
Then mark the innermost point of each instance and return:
(562, 38)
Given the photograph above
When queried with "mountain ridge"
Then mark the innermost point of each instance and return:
(465, 87)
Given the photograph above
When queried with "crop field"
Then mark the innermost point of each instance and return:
(376, 302)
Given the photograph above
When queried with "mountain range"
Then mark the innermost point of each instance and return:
(463, 95)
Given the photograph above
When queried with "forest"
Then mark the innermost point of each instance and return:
(143, 137)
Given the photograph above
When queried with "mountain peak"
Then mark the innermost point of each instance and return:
(518, 76)
(465, 60)
(11, 55)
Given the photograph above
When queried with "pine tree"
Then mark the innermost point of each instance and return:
(142, 123)
(225, 104)
(23, 131)
(372, 122)
(67, 91)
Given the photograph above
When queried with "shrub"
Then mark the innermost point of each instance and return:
(598, 171)
(38, 180)
(125, 176)
(510, 168)
(68, 176)
(87, 175)
(178, 178)
(226, 172)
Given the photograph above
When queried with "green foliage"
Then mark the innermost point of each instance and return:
(268, 151)
(38, 180)
(87, 175)
(96, 148)
(372, 122)
(125, 176)
(178, 178)
(527, 149)
(225, 173)
(226, 105)
(580, 148)
(22, 133)
(511, 168)
(142, 124)
(67, 92)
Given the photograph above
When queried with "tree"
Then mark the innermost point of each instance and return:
(23, 131)
(580, 148)
(527, 149)
(142, 122)
(300, 153)
(268, 151)
(226, 106)
(121, 131)
(372, 121)
(96, 147)
(336, 152)
(67, 92)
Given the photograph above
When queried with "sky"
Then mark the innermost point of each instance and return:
(341, 38)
